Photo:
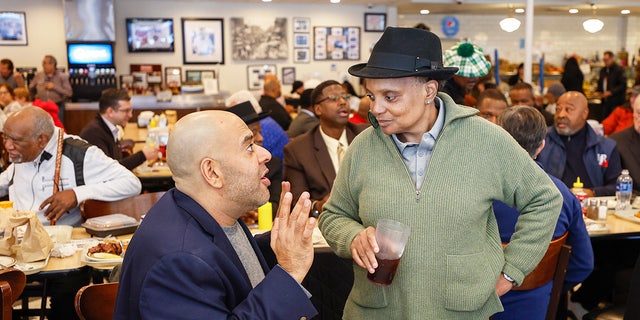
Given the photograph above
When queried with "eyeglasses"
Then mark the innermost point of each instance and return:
(126, 110)
(335, 98)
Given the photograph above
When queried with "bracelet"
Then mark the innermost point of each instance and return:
(513, 282)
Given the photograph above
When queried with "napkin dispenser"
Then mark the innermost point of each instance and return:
(144, 118)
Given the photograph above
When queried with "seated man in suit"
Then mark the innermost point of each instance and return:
(306, 119)
(628, 143)
(193, 258)
(102, 131)
(574, 150)
(528, 127)
(311, 161)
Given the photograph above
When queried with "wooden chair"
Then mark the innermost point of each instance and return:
(135, 206)
(12, 283)
(553, 266)
(96, 301)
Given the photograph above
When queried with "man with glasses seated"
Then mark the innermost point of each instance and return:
(311, 160)
(115, 110)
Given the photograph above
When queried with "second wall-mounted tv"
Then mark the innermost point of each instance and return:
(83, 53)
(150, 34)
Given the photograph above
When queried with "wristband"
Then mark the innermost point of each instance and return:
(513, 282)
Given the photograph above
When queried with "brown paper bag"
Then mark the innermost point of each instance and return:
(36, 243)
(7, 238)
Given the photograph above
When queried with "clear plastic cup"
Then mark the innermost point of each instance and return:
(391, 237)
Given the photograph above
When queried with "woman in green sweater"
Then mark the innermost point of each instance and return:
(432, 165)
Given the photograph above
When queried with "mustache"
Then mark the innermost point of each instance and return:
(562, 120)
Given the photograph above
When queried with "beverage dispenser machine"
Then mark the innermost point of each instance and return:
(91, 69)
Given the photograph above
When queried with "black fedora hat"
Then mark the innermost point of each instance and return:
(405, 52)
(247, 113)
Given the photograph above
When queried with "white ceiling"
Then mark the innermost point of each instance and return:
(561, 7)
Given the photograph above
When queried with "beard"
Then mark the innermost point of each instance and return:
(244, 189)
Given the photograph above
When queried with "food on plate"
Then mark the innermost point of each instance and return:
(108, 249)
(637, 214)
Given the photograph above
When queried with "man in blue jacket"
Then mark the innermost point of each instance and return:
(193, 257)
(574, 150)
(528, 127)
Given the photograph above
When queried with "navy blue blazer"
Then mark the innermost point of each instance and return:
(181, 265)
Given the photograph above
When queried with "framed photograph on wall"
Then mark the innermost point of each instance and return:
(13, 28)
(301, 55)
(256, 73)
(301, 25)
(173, 76)
(196, 76)
(336, 43)
(259, 38)
(288, 75)
(301, 40)
(375, 22)
(202, 41)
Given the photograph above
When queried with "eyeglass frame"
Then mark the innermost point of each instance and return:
(335, 98)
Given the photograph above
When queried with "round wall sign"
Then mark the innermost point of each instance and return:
(450, 26)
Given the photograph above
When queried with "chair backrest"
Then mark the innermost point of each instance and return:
(558, 281)
(12, 283)
(545, 270)
(135, 206)
(96, 301)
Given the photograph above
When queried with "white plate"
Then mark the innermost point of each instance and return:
(7, 261)
(32, 267)
(95, 262)
(629, 215)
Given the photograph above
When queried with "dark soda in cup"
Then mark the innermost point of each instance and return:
(385, 271)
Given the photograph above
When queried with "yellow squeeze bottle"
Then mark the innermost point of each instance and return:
(265, 220)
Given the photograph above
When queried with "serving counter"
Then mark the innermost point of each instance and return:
(78, 114)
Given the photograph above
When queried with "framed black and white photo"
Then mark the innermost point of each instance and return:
(256, 73)
(259, 38)
(202, 41)
(301, 55)
(301, 40)
(288, 75)
(13, 28)
(375, 22)
(301, 25)
(336, 43)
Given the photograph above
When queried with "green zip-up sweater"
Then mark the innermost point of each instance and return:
(454, 255)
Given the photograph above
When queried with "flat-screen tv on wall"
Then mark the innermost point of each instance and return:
(83, 53)
(150, 34)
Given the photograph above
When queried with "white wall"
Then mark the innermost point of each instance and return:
(554, 36)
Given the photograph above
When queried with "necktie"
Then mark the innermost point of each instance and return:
(341, 151)
(115, 134)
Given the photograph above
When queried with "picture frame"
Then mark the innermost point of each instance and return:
(288, 75)
(336, 43)
(196, 76)
(13, 28)
(301, 55)
(202, 41)
(173, 77)
(301, 40)
(150, 34)
(259, 38)
(301, 25)
(256, 73)
(375, 22)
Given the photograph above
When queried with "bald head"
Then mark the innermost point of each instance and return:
(636, 115)
(272, 87)
(572, 112)
(196, 136)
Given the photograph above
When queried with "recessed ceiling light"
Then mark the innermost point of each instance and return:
(424, 11)
(335, 1)
(573, 10)
(625, 11)
(266, 0)
(519, 10)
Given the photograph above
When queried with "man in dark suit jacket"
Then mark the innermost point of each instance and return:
(612, 84)
(268, 102)
(306, 119)
(115, 109)
(193, 257)
(628, 143)
(311, 160)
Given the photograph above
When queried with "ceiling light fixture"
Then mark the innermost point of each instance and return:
(424, 11)
(593, 24)
(509, 24)
(519, 10)
(335, 1)
(625, 11)
(573, 11)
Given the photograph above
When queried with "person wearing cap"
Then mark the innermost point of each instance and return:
(426, 163)
(297, 87)
(306, 118)
(312, 160)
(622, 116)
(471, 64)
(252, 119)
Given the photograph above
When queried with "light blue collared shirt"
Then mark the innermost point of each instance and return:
(416, 156)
